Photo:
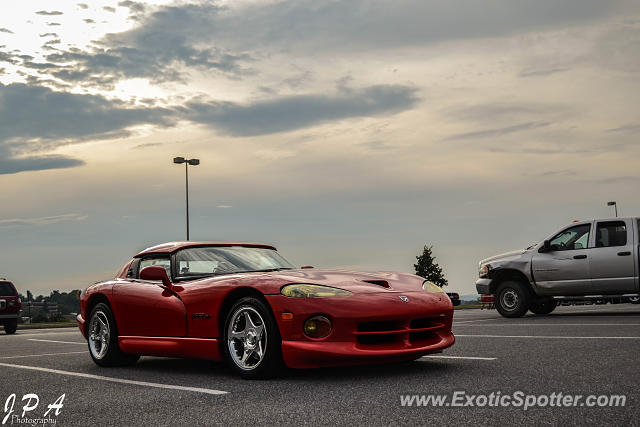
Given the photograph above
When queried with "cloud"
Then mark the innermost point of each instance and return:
(299, 111)
(109, 9)
(34, 119)
(49, 35)
(628, 128)
(53, 24)
(542, 72)
(159, 49)
(506, 111)
(83, 6)
(45, 220)
(496, 132)
(6, 30)
(377, 24)
(11, 165)
(135, 7)
(89, 21)
(49, 13)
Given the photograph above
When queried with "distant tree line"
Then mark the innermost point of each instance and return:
(68, 302)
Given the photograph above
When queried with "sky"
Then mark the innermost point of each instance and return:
(347, 133)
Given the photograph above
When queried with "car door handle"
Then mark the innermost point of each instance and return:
(579, 256)
(626, 253)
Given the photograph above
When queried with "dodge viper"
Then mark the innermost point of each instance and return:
(247, 305)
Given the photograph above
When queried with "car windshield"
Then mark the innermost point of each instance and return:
(214, 260)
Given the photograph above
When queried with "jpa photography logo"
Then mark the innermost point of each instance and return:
(27, 413)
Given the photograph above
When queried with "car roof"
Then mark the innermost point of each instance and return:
(170, 247)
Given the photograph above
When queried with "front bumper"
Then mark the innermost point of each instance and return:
(483, 286)
(315, 354)
(367, 328)
(9, 316)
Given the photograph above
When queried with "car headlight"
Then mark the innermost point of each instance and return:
(431, 287)
(304, 290)
(483, 271)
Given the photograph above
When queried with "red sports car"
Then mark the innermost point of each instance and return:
(247, 305)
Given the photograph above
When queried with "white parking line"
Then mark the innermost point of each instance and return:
(60, 342)
(557, 324)
(42, 354)
(549, 337)
(471, 321)
(115, 380)
(460, 357)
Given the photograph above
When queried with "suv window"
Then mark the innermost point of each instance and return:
(572, 238)
(611, 233)
(161, 262)
(6, 290)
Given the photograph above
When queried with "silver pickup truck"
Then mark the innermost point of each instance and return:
(586, 260)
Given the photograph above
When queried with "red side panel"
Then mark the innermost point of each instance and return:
(198, 348)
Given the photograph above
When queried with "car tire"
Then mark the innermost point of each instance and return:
(10, 326)
(102, 337)
(543, 307)
(252, 344)
(513, 299)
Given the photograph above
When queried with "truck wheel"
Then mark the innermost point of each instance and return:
(513, 299)
(543, 307)
(11, 326)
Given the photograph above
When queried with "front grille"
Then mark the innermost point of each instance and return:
(421, 323)
(378, 326)
(382, 339)
(399, 333)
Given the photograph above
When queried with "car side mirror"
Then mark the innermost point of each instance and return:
(546, 247)
(155, 272)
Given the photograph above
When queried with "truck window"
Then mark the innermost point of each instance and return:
(611, 233)
(6, 290)
(572, 238)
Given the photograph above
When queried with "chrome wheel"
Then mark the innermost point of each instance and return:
(246, 338)
(509, 299)
(99, 335)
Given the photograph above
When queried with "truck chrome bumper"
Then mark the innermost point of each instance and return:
(483, 286)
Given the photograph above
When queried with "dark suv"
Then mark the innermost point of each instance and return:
(10, 306)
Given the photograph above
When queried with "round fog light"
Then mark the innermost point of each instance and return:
(317, 327)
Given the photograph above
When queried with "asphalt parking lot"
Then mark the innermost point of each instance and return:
(579, 350)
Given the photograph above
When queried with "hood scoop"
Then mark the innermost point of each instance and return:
(382, 283)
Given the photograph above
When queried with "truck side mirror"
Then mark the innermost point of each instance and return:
(546, 247)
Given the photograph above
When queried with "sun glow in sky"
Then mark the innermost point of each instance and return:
(347, 133)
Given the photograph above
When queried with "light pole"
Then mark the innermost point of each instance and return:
(187, 162)
(615, 205)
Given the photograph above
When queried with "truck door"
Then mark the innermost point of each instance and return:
(564, 270)
(613, 257)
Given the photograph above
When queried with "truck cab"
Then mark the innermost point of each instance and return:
(585, 260)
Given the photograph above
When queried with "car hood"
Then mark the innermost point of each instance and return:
(354, 281)
(504, 256)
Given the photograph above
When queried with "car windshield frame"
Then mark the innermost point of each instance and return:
(233, 259)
